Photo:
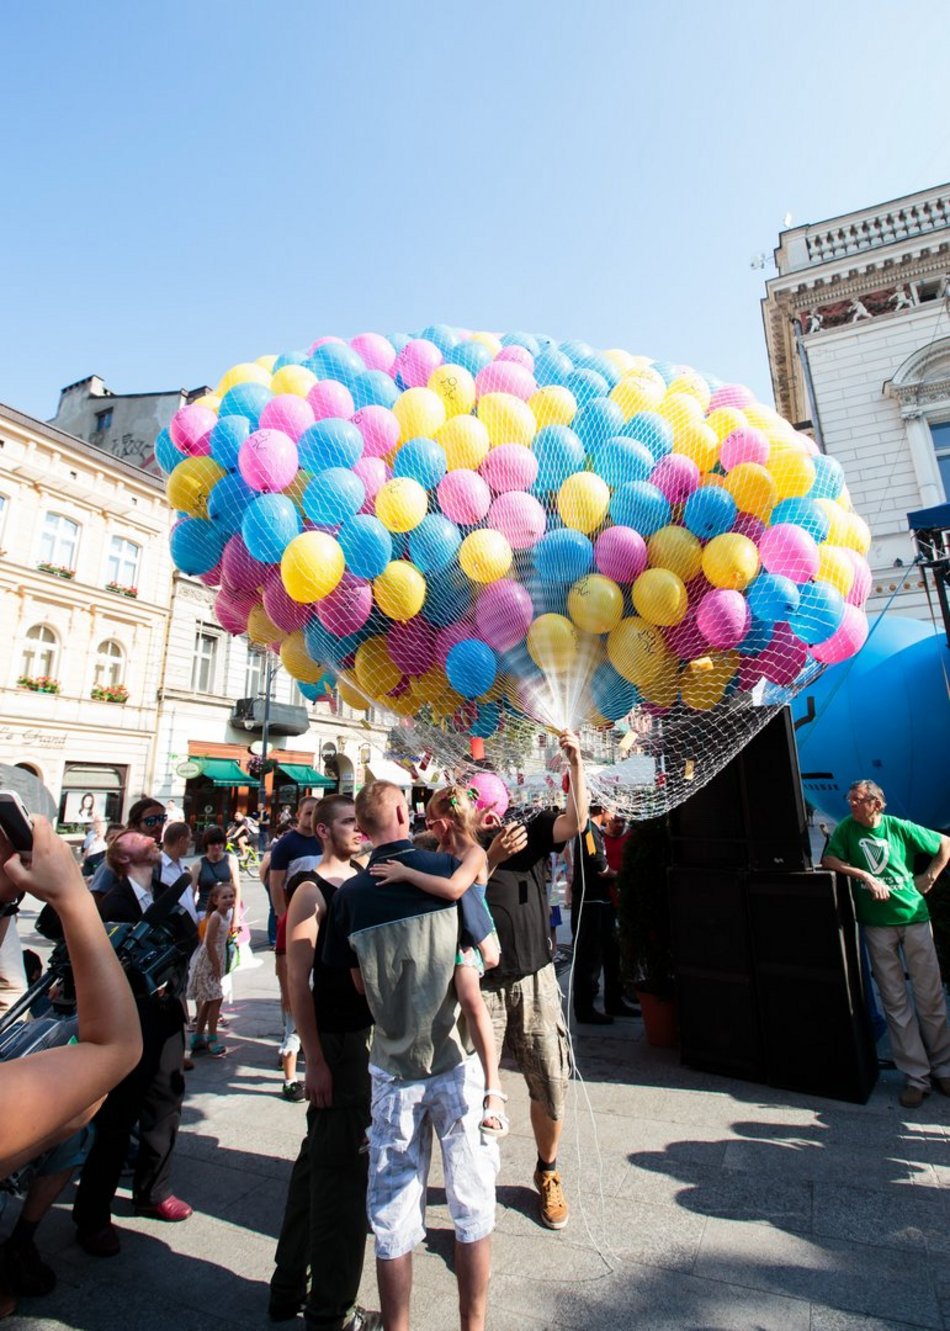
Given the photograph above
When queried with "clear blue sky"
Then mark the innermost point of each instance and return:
(191, 184)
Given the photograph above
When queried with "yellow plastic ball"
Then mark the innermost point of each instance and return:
(625, 361)
(419, 412)
(311, 566)
(837, 521)
(403, 704)
(694, 384)
(663, 687)
(731, 560)
(753, 488)
(261, 630)
(296, 379)
(429, 686)
(485, 555)
(297, 661)
(465, 440)
(761, 417)
(400, 590)
(660, 597)
(595, 604)
(636, 651)
(266, 363)
(352, 696)
(553, 405)
(583, 500)
(676, 549)
(792, 471)
(507, 419)
(857, 533)
(209, 400)
(724, 420)
(190, 484)
(401, 504)
(698, 443)
(552, 643)
(489, 340)
(680, 409)
(376, 671)
(835, 566)
(704, 681)
(638, 390)
(454, 385)
(244, 373)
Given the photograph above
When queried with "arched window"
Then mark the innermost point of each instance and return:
(59, 541)
(40, 652)
(110, 664)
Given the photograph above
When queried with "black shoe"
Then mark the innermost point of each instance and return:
(23, 1270)
(623, 1009)
(594, 1018)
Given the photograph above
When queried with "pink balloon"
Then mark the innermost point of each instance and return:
(848, 639)
(743, 445)
(447, 638)
(412, 646)
(232, 607)
(860, 588)
(288, 412)
(379, 428)
(492, 793)
(519, 517)
(329, 398)
(377, 351)
(463, 496)
(723, 618)
(620, 553)
(189, 429)
(213, 577)
(240, 570)
(281, 610)
(268, 460)
(806, 442)
(510, 467)
(520, 355)
(731, 395)
(685, 638)
(347, 607)
(505, 377)
(748, 525)
(503, 614)
(676, 476)
(320, 341)
(782, 661)
(789, 550)
(374, 473)
(416, 362)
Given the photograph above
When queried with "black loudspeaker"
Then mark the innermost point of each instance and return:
(718, 1021)
(709, 916)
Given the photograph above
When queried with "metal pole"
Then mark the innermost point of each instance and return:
(262, 789)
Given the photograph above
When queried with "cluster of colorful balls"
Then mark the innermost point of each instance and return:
(498, 527)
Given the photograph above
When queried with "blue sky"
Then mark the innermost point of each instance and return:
(189, 185)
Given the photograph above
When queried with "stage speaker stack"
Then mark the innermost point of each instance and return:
(765, 948)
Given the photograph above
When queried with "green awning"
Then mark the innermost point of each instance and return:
(302, 774)
(223, 772)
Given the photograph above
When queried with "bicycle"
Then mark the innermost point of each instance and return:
(249, 859)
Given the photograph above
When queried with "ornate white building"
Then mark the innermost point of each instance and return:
(857, 323)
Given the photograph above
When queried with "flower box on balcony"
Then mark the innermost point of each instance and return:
(131, 592)
(38, 683)
(110, 693)
(57, 570)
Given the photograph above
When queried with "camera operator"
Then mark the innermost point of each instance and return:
(153, 1091)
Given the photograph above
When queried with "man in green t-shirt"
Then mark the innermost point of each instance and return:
(877, 852)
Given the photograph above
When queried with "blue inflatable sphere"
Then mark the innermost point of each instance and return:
(366, 544)
(269, 524)
(228, 502)
(166, 454)
(487, 721)
(803, 513)
(665, 369)
(602, 366)
(290, 358)
(329, 443)
(614, 696)
(652, 430)
(318, 690)
(227, 436)
(441, 336)
(196, 545)
(448, 597)
(472, 356)
(552, 367)
(526, 340)
(471, 667)
(559, 453)
(245, 400)
(772, 598)
(640, 505)
(333, 497)
(620, 460)
(757, 638)
(597, 421)
(586, 385)
(434, 544)
(829, 478)
(335, 360)
(421, 460)
(563, 555)
(575, 350)
(373, 388)
(326, 648)
(709, 511)
(820, 611)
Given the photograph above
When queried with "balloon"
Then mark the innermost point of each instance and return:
(861, 586)
(753, 488)
(374, 474)
(376, 672)
(503, 614)
(620, 460)
(820, 611)
(415, 363)
(422, 460)
(347, 607)
(792, 471)
(520, 519)
(411, 646)
(743, 445)
(636, 651)
(559, 454)
(293, 379)
(190, 484)
(294, 659)
(247, 400)
(709, 511)
(419, 411)
(380, 430)
(553, 405)
(401, 504)
(772, 597)
(723, 618)
(330, 400)
(227, 502)
(835, 567)
(595, 604)
(829, 478)
(240, 570)
(789, 550)
(268, 460)
(290, 414)
(509, 467)
(704, 681)
(311, 566)
(848, 638)
(640, 505)
(471, 667)
(190, 427)
(455, 386)
(582, 501)
(463, 496)
(269, 524)
(281, 609)
(231, 609)
(614, 696)
(166, 454)
(596, 421)
(399, 590)
(552, 643)
(675, 476)
(492, 793)
(329, 443)
(621, 554)
(563, 556)
(366, 544)
(196, 545)
(485, 556)
(660, 597)
(260, 630)
(507, 419)
(677, 550)
(333, 497)
(434, 543)
(803, 513)
(376, 351)
(731, 561)
(505, 377)
(651, 430)
(465, 442)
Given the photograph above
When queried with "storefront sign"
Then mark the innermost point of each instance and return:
(38, 739)
(188, 770)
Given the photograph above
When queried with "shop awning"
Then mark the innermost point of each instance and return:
(302, 774)
(223, 772)
(384, 769)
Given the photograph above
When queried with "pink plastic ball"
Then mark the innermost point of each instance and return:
(189, 429)
(848, 639)
(213, 576)
(723, 618)
(377, 351)
(239, 569)
(268, 460)
(412, 646)
(416, 362)
(860, 588)
(620, 553)
(685, 639)
(232, 607)
(281, 610)
(374, 474)
(731, 395)
(379, 428)
(492, 793)
(463, 496)
(743, 445)
(676, 476)
(782, 661)
(448, 637)
(288, 412)
(789, 550)
(510, 467)
(329, 398)
(505, 377)
(746, 524)
(347, 607)
(503, 614)
(520, 355)
(519, 517)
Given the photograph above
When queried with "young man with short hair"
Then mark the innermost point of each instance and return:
(297, 851)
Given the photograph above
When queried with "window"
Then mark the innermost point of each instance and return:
(253, 673)
(59, 541)
(110, 664)
(205, 659)
(40, 652)
(940, 431)
(103, 420)
(124, 561)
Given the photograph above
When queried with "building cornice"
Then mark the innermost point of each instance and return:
(51, 434)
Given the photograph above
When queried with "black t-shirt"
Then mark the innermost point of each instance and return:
(517, 897)
(338, 1004)
(590, 861)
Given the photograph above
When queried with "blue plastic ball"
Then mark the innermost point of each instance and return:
(575, 350)
(820, 611)
(614, 696)
(526, 340)
(227, 436)
(586, 385)
(290, 358)
(602, 366)
(772, 598)
(640, 505)
(166, 454)
(563, 555)
(196, 545)
(648, 428)
(333, 496)
(421, 460)
(434, 544)
(269, 524)
(559, 453)
(448, 597)
(829, 478)
(441, 336)
(366, 544)
(228, 502)
(330, 443)
(620, 460)
(709, 511)
(335, 360)
(803, 513)
(373, 388)
(552, 367)
(597, 421)
(471, 667)
(245, 400)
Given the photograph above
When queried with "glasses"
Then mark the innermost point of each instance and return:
(861, 799)
(153, 820)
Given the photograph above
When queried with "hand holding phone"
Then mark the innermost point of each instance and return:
(15, 823)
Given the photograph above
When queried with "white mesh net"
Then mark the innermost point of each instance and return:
(496, 538)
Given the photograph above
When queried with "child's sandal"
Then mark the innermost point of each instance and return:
(216, 1048)
(492, 1116)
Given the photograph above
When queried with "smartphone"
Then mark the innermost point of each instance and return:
(15, 822)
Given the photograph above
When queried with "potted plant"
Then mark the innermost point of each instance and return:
(121, 590)
(57, 570)
(38, 683)
(109, 693)
(646, 942)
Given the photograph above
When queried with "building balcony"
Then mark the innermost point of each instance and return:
(284, 719)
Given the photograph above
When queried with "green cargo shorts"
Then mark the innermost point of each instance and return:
(528, 1020)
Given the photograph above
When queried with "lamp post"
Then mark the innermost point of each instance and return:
(262, 811)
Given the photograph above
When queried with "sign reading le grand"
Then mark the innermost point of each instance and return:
(25, 738)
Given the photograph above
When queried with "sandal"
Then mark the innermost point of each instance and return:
(216, 1049)
(491, 1116)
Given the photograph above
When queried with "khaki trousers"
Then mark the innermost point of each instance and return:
(920, 1041)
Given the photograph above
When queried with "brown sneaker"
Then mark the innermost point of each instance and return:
(553, 1206)
(912, 1097)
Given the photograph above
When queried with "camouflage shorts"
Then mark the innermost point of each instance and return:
(528, 1020)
